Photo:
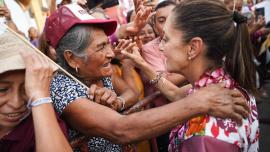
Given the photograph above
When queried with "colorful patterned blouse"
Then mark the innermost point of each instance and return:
(209, 134)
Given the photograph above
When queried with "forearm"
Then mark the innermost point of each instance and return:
(167, 88)
(48, 135)
(53, 6)
(124, 91)
(100, 121)
(128, 75)
(153, 122)
(177, 79)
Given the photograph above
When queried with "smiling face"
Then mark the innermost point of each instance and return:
(174, 48)
(99, 56)
(13, 99)
(147, 34)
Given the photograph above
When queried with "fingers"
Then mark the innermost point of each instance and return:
(105, 96)
(129, 55)
(112, 98)
(130, 46)
(26, 58)
(237, 118)
(241, 111)
(102, 96)
(91, 91)
(98, 95)
(126, 43)
(235, 93)
(241, 101)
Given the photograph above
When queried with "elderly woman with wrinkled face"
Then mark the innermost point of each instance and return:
(83, 49)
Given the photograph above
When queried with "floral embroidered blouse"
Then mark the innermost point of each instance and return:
(209, 134)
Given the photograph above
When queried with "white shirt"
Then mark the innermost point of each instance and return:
(22, 19)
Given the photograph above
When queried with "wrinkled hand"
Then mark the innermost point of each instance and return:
(137, 4)
(103, 96)
(140, 20)
(4, 11)
(133, 53)
(123, 44)
(138, 42)
(38, 75)
(222, 102)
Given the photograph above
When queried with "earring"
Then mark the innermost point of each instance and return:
(189, 58)
(76, 69)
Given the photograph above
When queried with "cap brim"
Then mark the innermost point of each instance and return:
(109, 26)
(12, 63)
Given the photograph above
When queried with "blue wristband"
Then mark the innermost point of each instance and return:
(40, 101)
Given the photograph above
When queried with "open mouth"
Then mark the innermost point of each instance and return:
(17, 116)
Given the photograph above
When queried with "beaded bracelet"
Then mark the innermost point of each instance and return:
(156, 79)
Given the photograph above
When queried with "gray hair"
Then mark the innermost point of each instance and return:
(77, 39)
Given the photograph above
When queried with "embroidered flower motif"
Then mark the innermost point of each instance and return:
(196, 126)
(223, 129)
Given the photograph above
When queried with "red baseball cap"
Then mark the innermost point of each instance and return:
(64, 18)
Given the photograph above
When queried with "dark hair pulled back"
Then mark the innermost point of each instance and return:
(225, 34)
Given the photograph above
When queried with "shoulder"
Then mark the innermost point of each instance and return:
(65, 90)
(152, 45)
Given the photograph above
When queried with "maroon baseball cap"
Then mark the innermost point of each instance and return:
(64, 18)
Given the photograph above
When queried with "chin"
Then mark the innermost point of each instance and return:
(107, 73)
(168, 68)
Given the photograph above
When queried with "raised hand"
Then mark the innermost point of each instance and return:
(38, 75)
(133, 53)
(5, 12)
(140, 20)
(137, 4)
(123, 44)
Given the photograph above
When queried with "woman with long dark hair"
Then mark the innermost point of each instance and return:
(208, 44)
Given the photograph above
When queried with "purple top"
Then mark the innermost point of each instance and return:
(22, 138)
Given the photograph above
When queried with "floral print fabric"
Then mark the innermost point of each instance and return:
(64, 91)
(245, 137)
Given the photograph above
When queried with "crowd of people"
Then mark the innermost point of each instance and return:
(178, 76)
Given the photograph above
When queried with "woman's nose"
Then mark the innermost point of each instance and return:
(110, 53)
(17, 101)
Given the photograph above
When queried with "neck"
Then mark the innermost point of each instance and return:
(90, 81)
(196, 69)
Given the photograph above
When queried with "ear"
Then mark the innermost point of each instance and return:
(195, 47)
(71, 59)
